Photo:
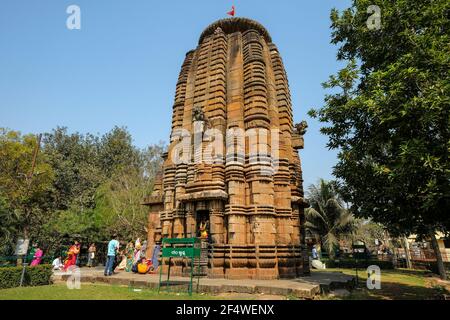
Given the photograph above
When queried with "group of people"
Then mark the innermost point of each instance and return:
(73, 255)
(131, 259)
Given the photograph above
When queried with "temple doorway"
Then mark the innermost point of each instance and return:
(203, 224)
(203, 232)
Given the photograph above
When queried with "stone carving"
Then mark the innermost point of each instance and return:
(301, 128)
(197, 114)
(253, 212)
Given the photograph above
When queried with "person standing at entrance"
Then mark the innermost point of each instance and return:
(113, 247)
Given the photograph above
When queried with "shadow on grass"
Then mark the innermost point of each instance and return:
(398, 284)
(394, 291)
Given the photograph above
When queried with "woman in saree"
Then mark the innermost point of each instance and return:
(72, 255)
(144, 250)
(37, 257)
(129, 252)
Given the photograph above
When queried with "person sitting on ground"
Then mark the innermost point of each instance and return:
(37, 257)
(144, 266)
(57, 264)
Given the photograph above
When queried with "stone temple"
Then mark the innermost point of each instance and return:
(232, 169)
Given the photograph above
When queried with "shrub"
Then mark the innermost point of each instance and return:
(34, 276)
(39, 275)
(10, 277)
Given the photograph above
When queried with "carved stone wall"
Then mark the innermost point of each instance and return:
(234, 81)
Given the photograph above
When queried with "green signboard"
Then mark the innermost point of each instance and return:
(181, 252)
(191, 250)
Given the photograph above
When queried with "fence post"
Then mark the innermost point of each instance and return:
(24, 265)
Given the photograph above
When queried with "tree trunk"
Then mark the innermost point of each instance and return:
(407, 253)
(437, 251)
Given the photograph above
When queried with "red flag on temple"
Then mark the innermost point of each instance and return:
(231, 13)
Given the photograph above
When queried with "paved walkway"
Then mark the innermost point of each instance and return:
(305, 287)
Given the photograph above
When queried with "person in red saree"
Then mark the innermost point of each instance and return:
(37, 257)
(72, 254)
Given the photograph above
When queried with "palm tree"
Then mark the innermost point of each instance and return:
(327, 216)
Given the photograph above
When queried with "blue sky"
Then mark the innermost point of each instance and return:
(121, 68)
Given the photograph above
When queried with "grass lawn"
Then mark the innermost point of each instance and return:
(93, 292)
(395, 284)
(399, 284)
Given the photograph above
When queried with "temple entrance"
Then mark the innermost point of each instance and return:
(202, 225)
(203, 232)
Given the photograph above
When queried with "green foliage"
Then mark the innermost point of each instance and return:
(368, 231)
(120, 203)
(389, 115)
(327, 216)
(25, 205)
(8, 227)
(75, 159)
(39, 275)
(83, 185)
(101, 182)
(10, 277)
(34, 276)
(74, 222)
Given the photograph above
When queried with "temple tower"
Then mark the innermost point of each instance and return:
(232, 166)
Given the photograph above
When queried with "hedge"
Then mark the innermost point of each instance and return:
(360, 263)
(34, 276)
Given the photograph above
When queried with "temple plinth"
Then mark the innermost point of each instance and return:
(232, 173)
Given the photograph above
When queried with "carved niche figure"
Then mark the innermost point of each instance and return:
(301, 127)
(197, 114)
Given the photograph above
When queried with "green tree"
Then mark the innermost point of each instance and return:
(368, 231)
(8, 226)
(25, 192)
(327, 216)
(85, 185)
(389, 115)
(119, 199)
(75, 161)
(118, 152)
